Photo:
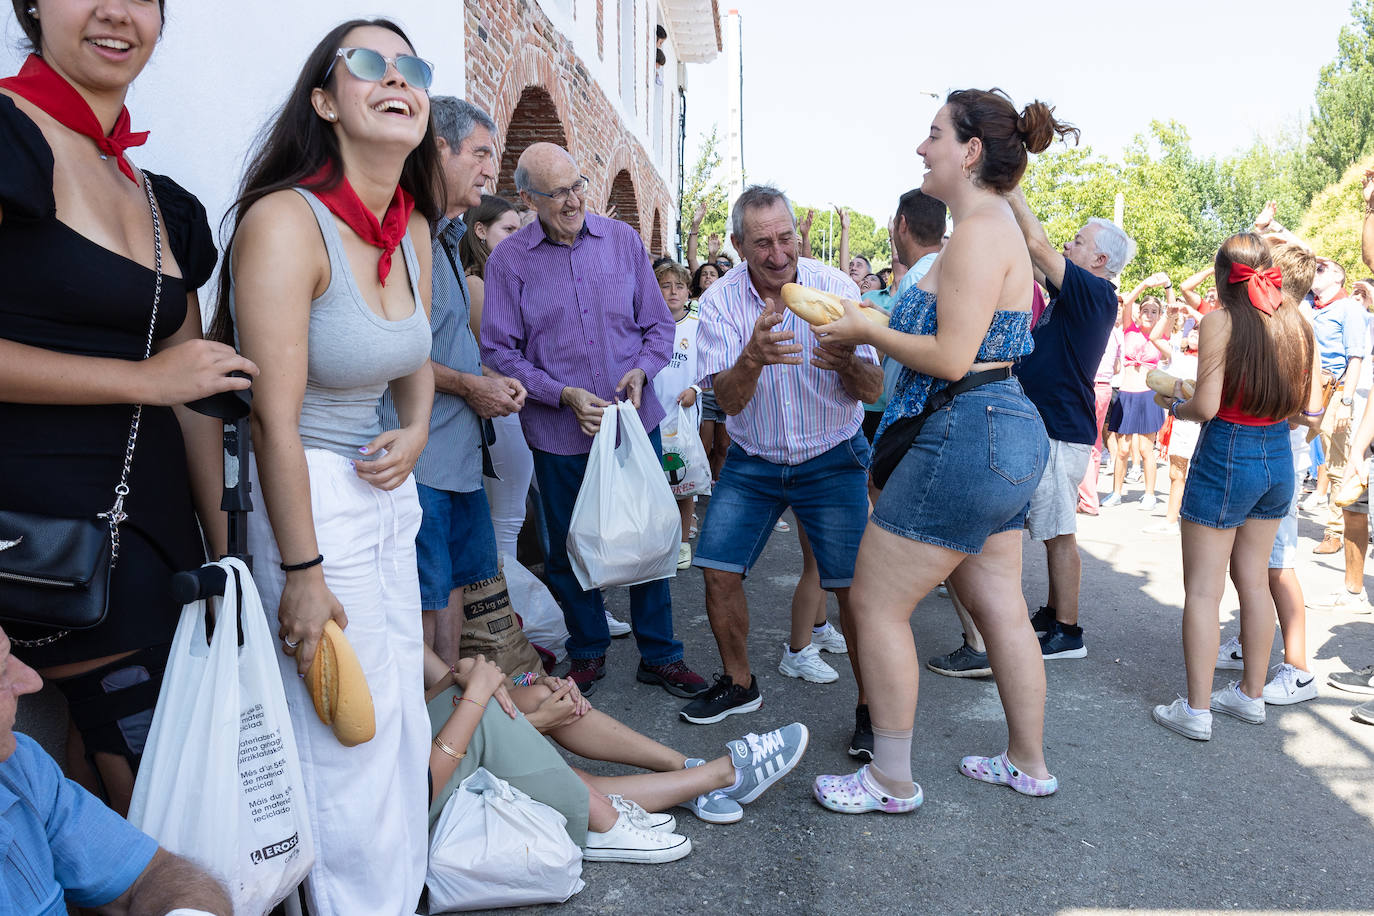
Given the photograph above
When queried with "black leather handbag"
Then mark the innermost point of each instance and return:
(55, 572)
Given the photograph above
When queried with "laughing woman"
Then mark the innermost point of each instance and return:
(330, 263)
(81, 262)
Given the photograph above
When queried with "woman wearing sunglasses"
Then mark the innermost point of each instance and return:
(79, 256)
(329, 289)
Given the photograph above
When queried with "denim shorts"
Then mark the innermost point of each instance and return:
(1238, 472)
(456, 545)
(971, 472)
(710, 409)
(828, 496)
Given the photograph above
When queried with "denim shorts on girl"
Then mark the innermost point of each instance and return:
(1237, 473)
(970, 473)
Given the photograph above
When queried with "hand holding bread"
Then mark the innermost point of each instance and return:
(818, 307)
(339, 689)
(1169, 388)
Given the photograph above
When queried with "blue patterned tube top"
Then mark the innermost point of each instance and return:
(1008, 339)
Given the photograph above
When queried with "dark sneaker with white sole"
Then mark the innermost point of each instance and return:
(724, 698)
(964, 661)
(861, 744)
(1063, 640)
(585, 672)
(674, 677)
(1364, 713)
(1361, 681)
(1042, 620)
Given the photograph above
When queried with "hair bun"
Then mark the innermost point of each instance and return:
(1038, 127)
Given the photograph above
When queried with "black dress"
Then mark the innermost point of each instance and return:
(63, 292)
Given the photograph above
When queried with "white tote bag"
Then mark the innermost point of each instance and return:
(220, 782)
(540, 616)
(494, 846)
(684, 460)
(625, 528)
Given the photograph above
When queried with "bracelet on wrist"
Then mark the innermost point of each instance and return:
(457, 700)
(439, 743)
(1314, 413)
(298, 567)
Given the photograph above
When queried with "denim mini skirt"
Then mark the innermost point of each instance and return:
(1238, 472)
(971, 471)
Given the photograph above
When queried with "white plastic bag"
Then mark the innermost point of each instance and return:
(494, 846)
(684, 460)
(541, 617)
(220, 781)
(625, 526)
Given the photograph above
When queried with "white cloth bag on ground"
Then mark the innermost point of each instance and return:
(625, 528)
(684, 460)
(494, 846)
(220, 781)
(541, 617)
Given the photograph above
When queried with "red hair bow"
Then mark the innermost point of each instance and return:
(1265, 287)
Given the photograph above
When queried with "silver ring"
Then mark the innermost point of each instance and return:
(291, 645)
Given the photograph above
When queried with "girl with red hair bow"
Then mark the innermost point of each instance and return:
(1257, 373)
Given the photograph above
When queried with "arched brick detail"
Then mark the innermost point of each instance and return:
(535, 120)
(656, 247)
(623, 198)
(533, 67)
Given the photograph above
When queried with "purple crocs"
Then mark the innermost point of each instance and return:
(1002, 772)
(859, 793)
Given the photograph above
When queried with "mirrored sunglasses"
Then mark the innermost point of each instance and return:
(367, 64)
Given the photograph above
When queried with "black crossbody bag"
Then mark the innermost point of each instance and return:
(896, 440)
(55, 572)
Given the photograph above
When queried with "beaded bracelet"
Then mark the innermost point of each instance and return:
(526, 679)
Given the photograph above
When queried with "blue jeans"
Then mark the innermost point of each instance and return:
(828, 496)
(651, 604)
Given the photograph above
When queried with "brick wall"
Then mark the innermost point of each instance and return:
(524, 72)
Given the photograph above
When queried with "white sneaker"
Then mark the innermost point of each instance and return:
(807, 665)
(1290, 685)
(617, 627)
(1342, 600)
(1229, 657)
(1232, 702)
(1314, 503)
(659, 822)
(625, 842)
(1148, 502)
(1113, 500)
(1136, 474)
(684, 556)
(1177, 718)
(781, 525)
(829, 639)
(1161, 529)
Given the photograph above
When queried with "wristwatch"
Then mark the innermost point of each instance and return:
(1347, 399)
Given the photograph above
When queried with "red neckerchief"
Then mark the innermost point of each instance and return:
(1340, 294)
(43, 86)
(344, 203)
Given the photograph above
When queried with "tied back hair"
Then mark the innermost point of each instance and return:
(297, 142)
(472, 251)
(1268, 357)
(1006, 134)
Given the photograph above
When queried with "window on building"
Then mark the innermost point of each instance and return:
(628, 43)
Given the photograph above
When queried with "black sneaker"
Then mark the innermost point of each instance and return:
(1361, 681)
(1063, 640)
(1364, 713)
(861, 745)
(725, 698)
(585, 672)
(1042, 620)
(964, 661)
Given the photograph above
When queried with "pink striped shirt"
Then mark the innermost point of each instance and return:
(797, 412)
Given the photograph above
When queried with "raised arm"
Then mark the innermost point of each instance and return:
(1189, 286)
(1367, 230)
(693, 262)
(804, 229)
(844, 238)
(1047, 260)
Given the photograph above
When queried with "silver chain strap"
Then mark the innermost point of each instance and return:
(116, 515)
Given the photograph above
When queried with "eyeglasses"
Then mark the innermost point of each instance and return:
(367, 64)
(560, 195)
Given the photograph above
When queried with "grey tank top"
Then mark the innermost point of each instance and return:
(353, 351)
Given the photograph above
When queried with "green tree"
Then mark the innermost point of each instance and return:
(1342, 127)
(704, 185)
(866, 237)
(1332, 223)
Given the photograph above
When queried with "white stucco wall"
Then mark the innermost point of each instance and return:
(225, 66)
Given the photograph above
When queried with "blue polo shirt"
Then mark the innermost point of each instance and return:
(57, 839)
(1339, 330)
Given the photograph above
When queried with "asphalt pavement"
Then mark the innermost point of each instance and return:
(1276, 817)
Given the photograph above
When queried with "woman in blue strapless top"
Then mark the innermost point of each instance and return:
(955, 504)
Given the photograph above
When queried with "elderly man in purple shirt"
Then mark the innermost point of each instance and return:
(573, 312)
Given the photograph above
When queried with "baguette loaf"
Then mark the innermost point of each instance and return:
(816, 306)
(1163, 383)
(339, 689)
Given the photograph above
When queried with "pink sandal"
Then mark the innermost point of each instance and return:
(1002, 772)
(859, 793)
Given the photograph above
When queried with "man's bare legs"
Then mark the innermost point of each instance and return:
(728, 611)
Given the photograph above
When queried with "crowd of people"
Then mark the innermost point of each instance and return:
(399, 429)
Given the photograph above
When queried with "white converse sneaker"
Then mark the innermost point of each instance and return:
(1177, 718)
(625, 842)
(617, 627)
(807, 665)
(684, 556)
(1148, 502)
(1290, 685)
(829, 639)
(1232, 702)
(659, 822)
(1229, 657)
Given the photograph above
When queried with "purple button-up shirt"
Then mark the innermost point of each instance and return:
(556, 316)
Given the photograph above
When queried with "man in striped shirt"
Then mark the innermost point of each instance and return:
(793, 410)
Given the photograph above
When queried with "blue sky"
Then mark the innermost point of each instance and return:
(830, 88)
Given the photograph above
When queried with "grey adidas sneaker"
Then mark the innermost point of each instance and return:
(761, 760)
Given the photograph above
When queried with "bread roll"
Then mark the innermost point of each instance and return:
(816, 306)
(1163, 383)
(339, 689)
